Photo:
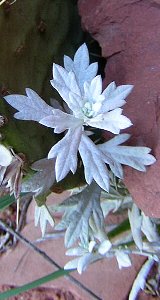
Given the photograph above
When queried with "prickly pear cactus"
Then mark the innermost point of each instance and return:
(34, 34)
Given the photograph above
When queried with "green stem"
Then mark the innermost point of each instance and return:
(34, 284)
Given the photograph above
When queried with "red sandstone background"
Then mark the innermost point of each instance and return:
(128, 32)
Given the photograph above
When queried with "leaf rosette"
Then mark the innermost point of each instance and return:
(87, 105)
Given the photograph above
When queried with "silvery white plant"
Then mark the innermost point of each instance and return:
(140, 280)
(42, 216)
(10, 172)
(5, 157)
(41, 182)
(87, 105)
(144, 237)
(83, 221)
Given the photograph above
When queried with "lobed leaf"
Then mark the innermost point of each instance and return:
(66, 218)
(64, 82)
(112, 121)
(82, 262)
(30, 107)
(135, 157)
(80, 66)
(88, 203)
(77, 211)
(43, 179)
(94, 163)
(42, 216)
(115, 96)
(93, 89)
(60, 121)
(65, 152)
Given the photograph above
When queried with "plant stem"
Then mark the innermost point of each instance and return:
(45, 256)
(33, 284)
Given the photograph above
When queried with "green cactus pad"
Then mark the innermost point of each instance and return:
(34, 34)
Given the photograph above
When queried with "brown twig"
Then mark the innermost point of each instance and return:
(24, 207)
(45, 256)
(27, 242)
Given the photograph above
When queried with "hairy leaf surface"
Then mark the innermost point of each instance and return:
(65, 82)
(85, 259)
(76, 219)
(94, 163)
(43, 179)
(30, 107)
(65, 152)
(149, 229)
(115, 96)
(80, 66)
(135, 220)
(60, 121)
(42, 215)
(135, 157)
(112, 121)
(140, 280)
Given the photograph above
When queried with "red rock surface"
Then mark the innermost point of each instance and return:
(21, 265)
(41, 294)
(128, 32)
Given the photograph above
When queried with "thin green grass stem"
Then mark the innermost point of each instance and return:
(34, 284)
